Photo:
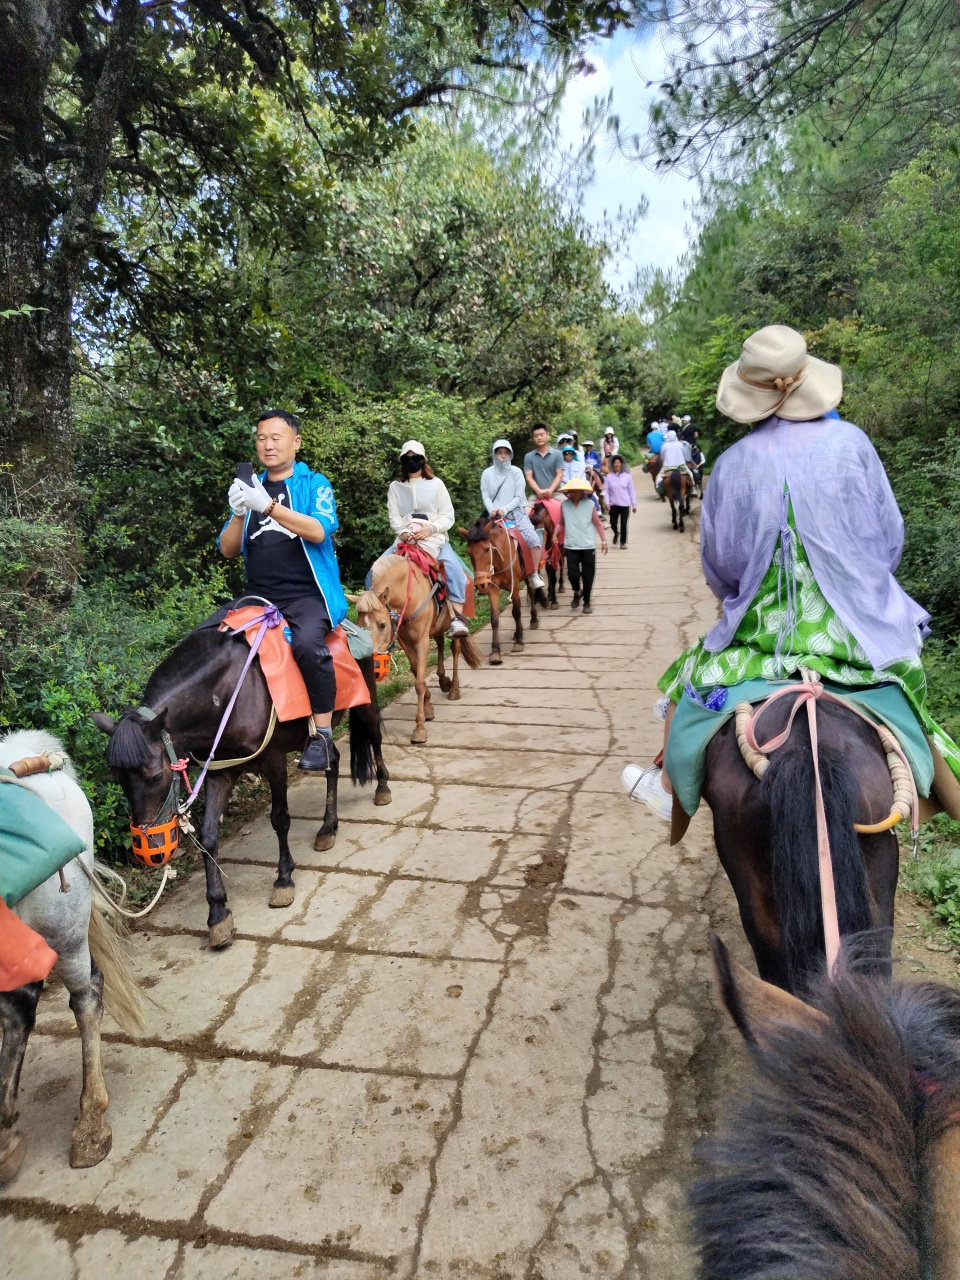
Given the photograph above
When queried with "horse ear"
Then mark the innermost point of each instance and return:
(106, 724)
(352, 599)
(463, 532)
(153, 728)
(757, 1006)
(384, 594)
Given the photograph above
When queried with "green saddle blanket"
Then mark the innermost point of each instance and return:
(35, 842)
(693, 726)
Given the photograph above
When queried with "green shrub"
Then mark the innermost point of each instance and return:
(97, 656)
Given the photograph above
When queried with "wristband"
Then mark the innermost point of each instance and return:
(268, 511)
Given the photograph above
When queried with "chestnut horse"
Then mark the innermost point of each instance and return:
(678, 486)
(654, 463)
(840, 1158)
(400, 607)
(540, 518)
(498, 566)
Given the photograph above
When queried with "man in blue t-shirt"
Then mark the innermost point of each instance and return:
(654, 438)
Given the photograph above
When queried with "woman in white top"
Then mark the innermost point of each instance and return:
(420, 511)
(671, 452)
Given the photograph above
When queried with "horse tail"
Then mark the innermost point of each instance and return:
(676, 483)
(366, 730)
(789, 788)
(122, 997)
(470, 653)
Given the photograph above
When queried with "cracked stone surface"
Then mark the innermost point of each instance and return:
(480, 1043)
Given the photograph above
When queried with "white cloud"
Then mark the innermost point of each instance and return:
(624, 65)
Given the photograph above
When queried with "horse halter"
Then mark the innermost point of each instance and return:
(155, 845)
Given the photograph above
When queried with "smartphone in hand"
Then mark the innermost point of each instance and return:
(245, 472)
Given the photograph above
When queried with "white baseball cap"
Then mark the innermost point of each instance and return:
(413, 446)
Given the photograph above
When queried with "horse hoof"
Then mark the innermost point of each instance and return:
(496, 659)
(282, 897)
(325, 840)
(454, 695)
(382, 797)
(12, 1150)
(88, 1149)
(418, 737)
(221, 934)
(553, 605)
(429, 714)
(445, 684)
(534, 624)
(517, 648)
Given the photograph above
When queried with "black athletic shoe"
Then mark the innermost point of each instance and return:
(318, 756)
(575, 602)
(587, 608)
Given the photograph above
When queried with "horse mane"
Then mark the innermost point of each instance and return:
(369, 602)
(479, 532)
(127, 746)
(815, 1171)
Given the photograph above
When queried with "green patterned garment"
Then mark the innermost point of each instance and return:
(819, 640)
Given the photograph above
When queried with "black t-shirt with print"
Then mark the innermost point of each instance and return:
(276, 559)
(689, 433)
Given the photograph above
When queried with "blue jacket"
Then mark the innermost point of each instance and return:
(654, 441)
(311, 494)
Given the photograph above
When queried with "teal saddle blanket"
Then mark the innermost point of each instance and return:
(35, 842)
(693, 726)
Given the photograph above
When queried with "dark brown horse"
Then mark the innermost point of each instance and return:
(840, 1159)
(677, 486)
(654, 463)
(766, 837)
(498, 566)
(188, 693)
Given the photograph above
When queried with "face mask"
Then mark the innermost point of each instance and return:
(502, 464)
(411, 462)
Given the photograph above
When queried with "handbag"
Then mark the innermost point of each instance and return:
(35, 842)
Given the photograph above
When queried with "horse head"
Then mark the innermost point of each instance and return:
(373, 612)
(140, 762)
(484, 541)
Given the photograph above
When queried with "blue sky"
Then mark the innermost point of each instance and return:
(624, 65)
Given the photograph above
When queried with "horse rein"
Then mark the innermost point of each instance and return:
(809, 692)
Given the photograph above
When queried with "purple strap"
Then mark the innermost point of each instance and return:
(271, 617)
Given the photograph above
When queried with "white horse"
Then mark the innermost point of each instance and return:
(89, 962)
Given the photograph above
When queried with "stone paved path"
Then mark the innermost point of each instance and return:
(480, 1042)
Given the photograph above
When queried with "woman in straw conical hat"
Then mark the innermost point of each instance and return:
(800, 536)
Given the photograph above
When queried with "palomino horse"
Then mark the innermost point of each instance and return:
(541, 518)
(840, 1160)
(400, 607)
(677, 486)
(187, 694)
(498, 566)
(91, 965)
(766, 836)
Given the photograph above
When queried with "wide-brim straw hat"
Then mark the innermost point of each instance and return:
(576, 482)
(776, 374)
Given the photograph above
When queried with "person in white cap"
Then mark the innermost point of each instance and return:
(420, 511)
(609, 446)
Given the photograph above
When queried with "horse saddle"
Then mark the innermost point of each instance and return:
(435, 572)
(530, 558)
(284, 681)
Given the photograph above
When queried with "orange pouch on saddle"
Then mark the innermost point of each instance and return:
(282, 674)
(24, 956)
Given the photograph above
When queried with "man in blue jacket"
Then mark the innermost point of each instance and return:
(284, 524)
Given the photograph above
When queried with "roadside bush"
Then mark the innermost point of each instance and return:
(97, 656)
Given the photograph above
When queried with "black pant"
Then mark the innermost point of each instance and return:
(585, 561)
(306, 616)
(618, 520)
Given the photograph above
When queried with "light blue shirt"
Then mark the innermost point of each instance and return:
(654, 441)
(847, 518)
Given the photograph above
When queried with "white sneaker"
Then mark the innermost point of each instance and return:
(647, 785)
(457, 629)
(536, 581)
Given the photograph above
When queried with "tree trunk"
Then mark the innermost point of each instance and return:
(48, 209)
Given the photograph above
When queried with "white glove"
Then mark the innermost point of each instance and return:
(255, 496)
(235, 496)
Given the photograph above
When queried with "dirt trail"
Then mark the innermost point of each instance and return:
(479, 1044)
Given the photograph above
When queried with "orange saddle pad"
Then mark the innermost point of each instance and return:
(283, 677)
(24, 956)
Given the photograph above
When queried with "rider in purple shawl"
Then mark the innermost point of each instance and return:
(845, 514)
